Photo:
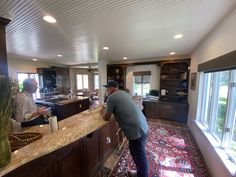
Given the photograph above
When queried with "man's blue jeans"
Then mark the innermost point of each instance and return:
(138, 152)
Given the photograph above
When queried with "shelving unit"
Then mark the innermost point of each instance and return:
(118, 74)
(174, 81)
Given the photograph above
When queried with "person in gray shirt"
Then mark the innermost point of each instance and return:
(132, 122)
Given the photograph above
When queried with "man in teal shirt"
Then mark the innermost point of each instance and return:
(132, 122)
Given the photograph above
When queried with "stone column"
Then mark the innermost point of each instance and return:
(3, 52)
(102, 71)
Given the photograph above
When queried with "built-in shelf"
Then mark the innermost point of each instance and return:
(173, 79)
(173, 72)
(176, 88)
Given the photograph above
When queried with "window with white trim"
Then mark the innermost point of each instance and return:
(218, 107)
(82, 81)
(22, 76)
(141, 84)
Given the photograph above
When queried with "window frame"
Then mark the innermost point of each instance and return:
(83, 87)
(229, 119)
(37, 78)
(142, 75)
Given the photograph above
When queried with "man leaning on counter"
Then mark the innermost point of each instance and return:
(25, 110)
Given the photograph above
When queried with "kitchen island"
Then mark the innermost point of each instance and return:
(62, 106)
(82, 143)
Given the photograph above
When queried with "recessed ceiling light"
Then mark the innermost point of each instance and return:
(178, 36)
(105, 48)
(125, 58)
(59, 55)
(172, 53)
(49, 19)
(35, 59)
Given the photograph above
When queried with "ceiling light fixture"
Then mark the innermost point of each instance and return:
(59, 55)
(172, 53)
(105, 48)
(125, 58)
(49, 19)
(35, 59)
(178, 36)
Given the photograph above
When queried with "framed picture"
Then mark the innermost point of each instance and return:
(193, 81)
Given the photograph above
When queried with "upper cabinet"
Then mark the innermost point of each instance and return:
(118, 74)
(54, 78)
(174, 81)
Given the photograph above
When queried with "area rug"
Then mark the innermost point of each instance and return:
(171, 152)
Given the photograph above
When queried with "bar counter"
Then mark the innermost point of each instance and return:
(70, 130)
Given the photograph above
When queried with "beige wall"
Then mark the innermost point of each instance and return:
(220, 41)
(155, 75)
(26, 66)
(75, 71)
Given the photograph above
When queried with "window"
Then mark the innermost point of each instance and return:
(82, 81)
(22, 76)
(218, 107)
(141, 83)
(96, 81)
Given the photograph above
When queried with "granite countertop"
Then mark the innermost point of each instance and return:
(70, 130)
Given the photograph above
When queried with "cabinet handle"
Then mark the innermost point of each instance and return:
(80, 106)
(108, 140)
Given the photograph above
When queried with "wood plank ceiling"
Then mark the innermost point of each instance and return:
(131, 28)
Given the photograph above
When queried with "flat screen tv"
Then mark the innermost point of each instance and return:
(153, 92)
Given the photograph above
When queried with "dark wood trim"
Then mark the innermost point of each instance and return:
(159, 63)
(141, 73)
(224, 62)
(4, 21)
(3, 51)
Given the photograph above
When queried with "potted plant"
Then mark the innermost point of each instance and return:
(5, 115)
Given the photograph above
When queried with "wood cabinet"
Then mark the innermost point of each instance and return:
(78, 159)
(174, 80)
(175, 111)
(151, 109)
(71, 163)
(114, 135)
(54, 78)
(70, 109)
(118, 74)
(63, 79)
(105, 142)
(93, 154)
(65, 162)
(63, 111)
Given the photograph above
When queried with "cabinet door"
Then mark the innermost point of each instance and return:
(105, 142)
(71, 164)
(174, 111)
(114, 136)
(151, 109)
(83, 105)
(92, 153)
(51, 171)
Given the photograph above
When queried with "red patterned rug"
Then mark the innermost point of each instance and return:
(171, 151)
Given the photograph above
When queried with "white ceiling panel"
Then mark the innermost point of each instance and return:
(131, 28)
